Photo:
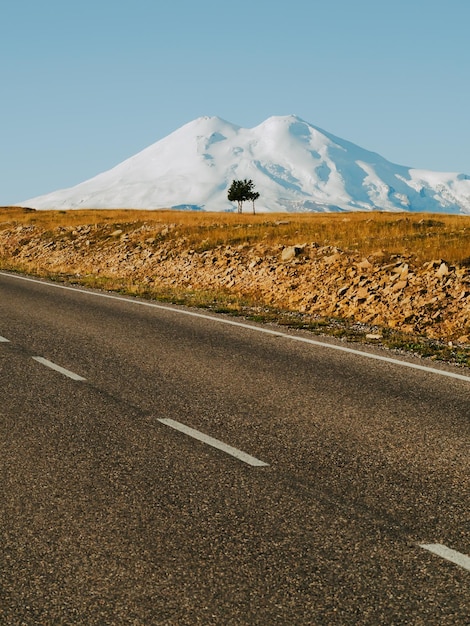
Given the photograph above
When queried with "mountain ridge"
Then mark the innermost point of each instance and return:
(295, 166)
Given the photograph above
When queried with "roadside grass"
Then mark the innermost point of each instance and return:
(426, 237)
(224, 302)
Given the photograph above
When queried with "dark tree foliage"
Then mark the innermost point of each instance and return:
(240, 191)
(254, 195)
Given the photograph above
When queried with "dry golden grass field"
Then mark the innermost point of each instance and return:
(426, 236)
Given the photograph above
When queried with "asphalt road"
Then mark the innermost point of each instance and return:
(110, 514)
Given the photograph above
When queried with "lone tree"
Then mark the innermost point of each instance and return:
(254, 195)
(240, 191)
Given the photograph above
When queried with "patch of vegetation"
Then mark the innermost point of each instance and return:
(381, 235)
(421, 235)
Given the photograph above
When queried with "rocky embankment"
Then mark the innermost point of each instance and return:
(430, 299)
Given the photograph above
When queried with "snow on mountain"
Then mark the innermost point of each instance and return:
(295, 167)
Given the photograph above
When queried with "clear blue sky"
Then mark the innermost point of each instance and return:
(86, 84)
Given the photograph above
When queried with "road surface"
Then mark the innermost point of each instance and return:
(162, 465)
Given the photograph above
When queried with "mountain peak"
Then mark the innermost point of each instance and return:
(208, 123)
(283, 121)
(295, 167)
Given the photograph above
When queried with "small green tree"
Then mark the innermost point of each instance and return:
(254, 195)
(235, 193)
(240, 191)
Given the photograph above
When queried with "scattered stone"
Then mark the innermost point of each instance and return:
(362, 293)
(332, 258)
(442, 271)
(290, 253)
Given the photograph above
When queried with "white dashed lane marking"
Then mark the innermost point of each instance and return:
(215, 443)
(448, 554)
(57, 368)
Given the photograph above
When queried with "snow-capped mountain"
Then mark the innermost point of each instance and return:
(295, 167)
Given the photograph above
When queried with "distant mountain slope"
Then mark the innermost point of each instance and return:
(294, 165)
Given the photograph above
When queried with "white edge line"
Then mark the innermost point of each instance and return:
(215, 443)
(448, 554)
(57, 368)
(4, 340)
(268, 331)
